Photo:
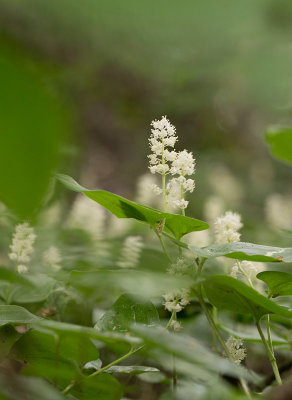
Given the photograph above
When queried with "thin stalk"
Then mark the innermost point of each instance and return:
(99, 371)
(269, 333)
(163, 245)
(164, 179)
(244, 274)
(270, 355)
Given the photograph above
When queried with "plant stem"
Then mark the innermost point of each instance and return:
(164, 179)
(99, 371)
(270, 355)
(163, 245)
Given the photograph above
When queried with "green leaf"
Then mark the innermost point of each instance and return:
(8, 336)
(178, 225)
(103, 386)
(126, 311)
(279, 283)
(143, 284)
(43, 286)
(31, 388)
(245, 251)
(67, 329)
(130, 369)
(227, 293)
(280, 142)
(33, 123)
(95, 364)
(16, 315)
(8, 275)
(192, 358)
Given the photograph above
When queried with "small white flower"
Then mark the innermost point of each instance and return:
(22, 243)
(236, 350)
(52, 258)
(181, 203)
(184, 164)
(227, 226)
(175, 325)
(22, 269)
(131, 252)
(176, 300)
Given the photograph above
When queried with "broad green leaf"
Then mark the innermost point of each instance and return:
(131, 369)
(16, 315)
(227, 293)
(103, 387)
(245, 251)
(178, 225)
(31, 388)
(67, 329)
(54, 357)
(279, 283)
(8, 336)
(191, 356)
(43, 286)
(126, 311)
(280, 142)
(33, 123)
(143, 284)
(8, 275)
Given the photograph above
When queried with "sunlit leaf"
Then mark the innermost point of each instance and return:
(245, 251)
(227, 293)
(279, 283)
(130, 369)
(178, 225)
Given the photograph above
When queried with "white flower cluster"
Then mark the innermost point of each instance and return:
(227, 226)
(249, 268)
(175, 325)
(180, 267)
(164, 161)
(52, 258)
(236, 350)
(176, 300)
(213, 208)
(131, 252)
(88, 215)
(22, 246)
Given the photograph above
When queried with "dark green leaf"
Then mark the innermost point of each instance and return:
(245, 251)
(8, 336)
(8, 275)
(280, 141)
(178, 225)
(103, 387)
(227, 293)
(279, 283)
(16, 315)
(126, 311)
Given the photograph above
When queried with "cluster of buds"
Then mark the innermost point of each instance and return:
(227, 227)
(236, 350)
(176, 300)
(131, 252)
(22, 246)
(164, 160)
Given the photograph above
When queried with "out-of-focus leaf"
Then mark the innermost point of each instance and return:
(279, 283)
(8, 336)
(227, 293)
(16, 315)
(186, 348)
(103, 386)
(67, 329)
(32, 126)
(95, 364)
(126, 311)
(245, 251)
(143, 284)
(280, 142)
(31, 388)
(8, 275)
(131, 369)
(43, 286)
(178, 225)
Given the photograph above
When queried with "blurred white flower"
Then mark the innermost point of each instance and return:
(52, 258)
(199, 239)
(213, 208)
(175, 325)
(147, 189)
(22, 245)
(118, 226)
(180, 267)
(131, 252)
(22, 269)
(225, 185)
(227, 226)
(279, 211)
(236, 350)
(86, 214)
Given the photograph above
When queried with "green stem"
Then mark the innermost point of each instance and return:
(163, 245)
(164, 179)
(270, 355)
(244, 274)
